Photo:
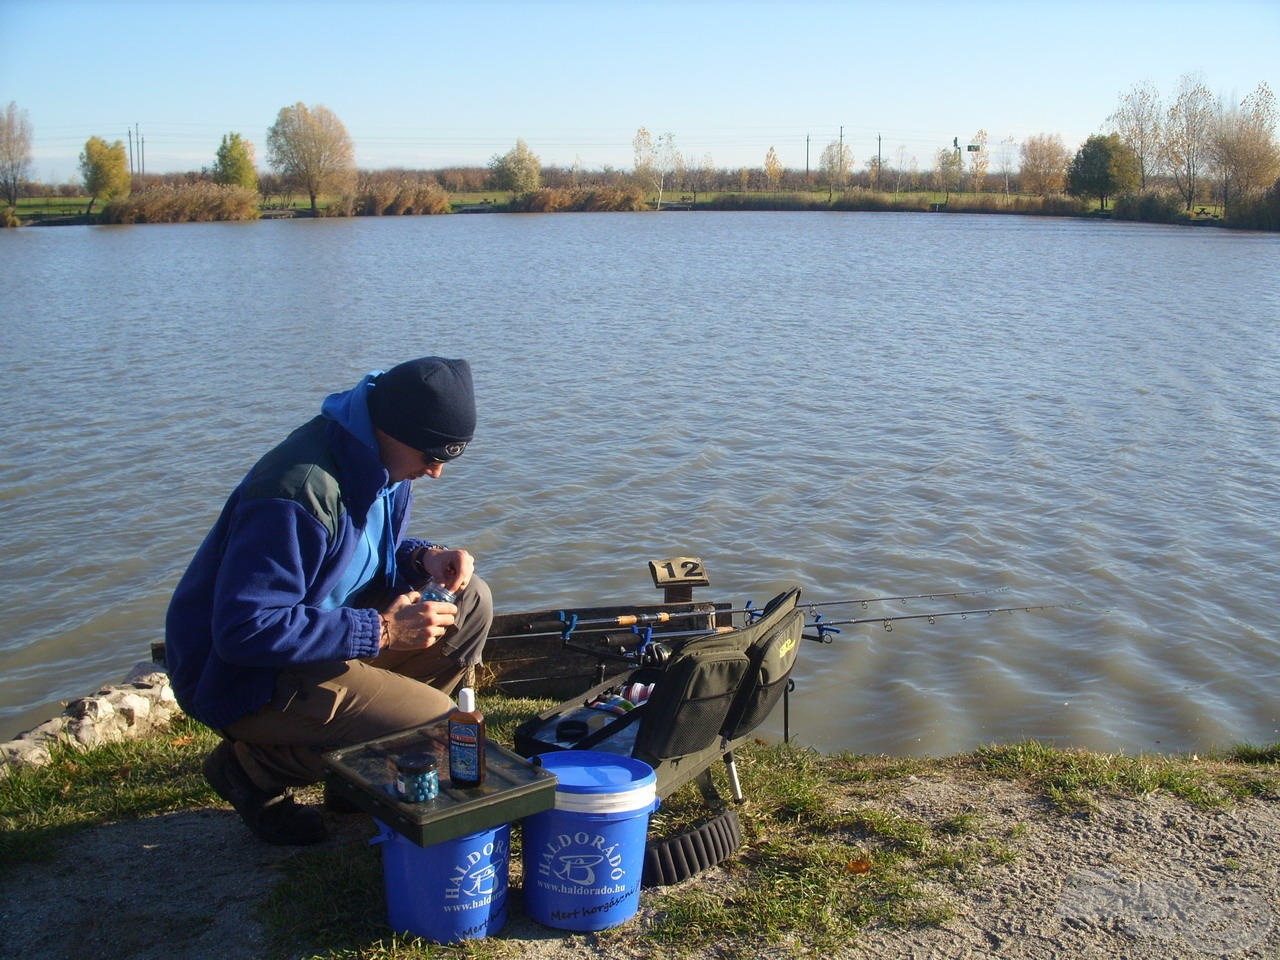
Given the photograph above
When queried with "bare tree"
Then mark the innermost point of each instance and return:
(947, 168)
(703, 176)
(15, 151)
(1187, 129)
(979, 160)
(654, 160)
(875, 170)
(310, 147)
(1243, 146)
(1004, 156)
(900, 167)
(1138, 122)
(835, 166)
(1044, 164)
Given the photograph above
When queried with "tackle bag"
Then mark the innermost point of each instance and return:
(703, 693)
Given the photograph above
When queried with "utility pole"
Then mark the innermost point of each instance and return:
(879, 162)
(129, 133)
(806, 158)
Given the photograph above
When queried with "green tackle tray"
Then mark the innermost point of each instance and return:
(364, 773)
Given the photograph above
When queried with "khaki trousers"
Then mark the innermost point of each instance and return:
(323, 706)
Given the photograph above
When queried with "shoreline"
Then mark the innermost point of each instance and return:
(138, 706)
(1143, 875)
(1020, 852)
(988, 204)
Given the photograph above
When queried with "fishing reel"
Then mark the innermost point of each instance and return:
(653, 654)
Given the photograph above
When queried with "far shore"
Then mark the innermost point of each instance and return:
(72, 212)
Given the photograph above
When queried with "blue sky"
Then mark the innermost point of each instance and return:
(436, 83)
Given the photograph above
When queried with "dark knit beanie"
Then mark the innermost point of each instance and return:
(428, 404)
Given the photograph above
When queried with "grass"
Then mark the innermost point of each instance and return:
(29, 207)
(820, 861)
(825, 852)
(1074, 780)
(42, 806)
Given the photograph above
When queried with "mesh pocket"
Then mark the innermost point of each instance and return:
(689, 705)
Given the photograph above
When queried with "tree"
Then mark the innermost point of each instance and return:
(835, 166)
(310, 147)
(947, 169)
(772, 169)
(1102, 167)
(1004, 156)
(979, 161)
(1243, 146)
(703, 176)
(1185, 145)
(899, 167)
(1044, 164)
(654, 160)
(15, 151)
(518, 170)
(105, 168)
(1137, 121)
(233, 164)
(875, 170)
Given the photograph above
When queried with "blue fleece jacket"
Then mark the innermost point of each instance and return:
(257, 597)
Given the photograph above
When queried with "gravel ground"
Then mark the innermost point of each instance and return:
(1132, 879)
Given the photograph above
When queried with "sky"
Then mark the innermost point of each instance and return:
(438, 83)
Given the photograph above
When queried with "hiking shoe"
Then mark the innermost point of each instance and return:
(273, 818)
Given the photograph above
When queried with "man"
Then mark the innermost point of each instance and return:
(298, 627)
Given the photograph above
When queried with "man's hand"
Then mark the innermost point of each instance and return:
(409, 624)
(452, 569)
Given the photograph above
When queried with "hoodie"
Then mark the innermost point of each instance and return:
(265, 589)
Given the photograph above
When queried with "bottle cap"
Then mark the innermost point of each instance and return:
(467, 700)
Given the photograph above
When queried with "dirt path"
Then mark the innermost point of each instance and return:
(1134, 879)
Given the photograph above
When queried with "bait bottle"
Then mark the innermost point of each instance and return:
(466, 742)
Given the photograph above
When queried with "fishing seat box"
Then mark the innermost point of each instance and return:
(709, 693)
(363, 774)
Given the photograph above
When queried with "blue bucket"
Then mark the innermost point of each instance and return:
(583, 859)
(451, 891)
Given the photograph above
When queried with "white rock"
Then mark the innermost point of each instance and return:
(134, 707)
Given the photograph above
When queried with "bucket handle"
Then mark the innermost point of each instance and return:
(384, 835)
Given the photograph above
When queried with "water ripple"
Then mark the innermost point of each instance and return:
(860, 404)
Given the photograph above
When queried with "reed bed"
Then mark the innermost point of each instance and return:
(397, 198)
(580, 200)
(189, 202)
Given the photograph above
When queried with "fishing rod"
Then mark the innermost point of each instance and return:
(904, 598)
(825, 627)
(641, 645)
(567, 622)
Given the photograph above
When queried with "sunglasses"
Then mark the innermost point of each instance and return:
(451, 451)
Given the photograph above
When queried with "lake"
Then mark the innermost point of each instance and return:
(1059, 411)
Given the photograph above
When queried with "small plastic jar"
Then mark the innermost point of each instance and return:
(417, 779)
(435, 592)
